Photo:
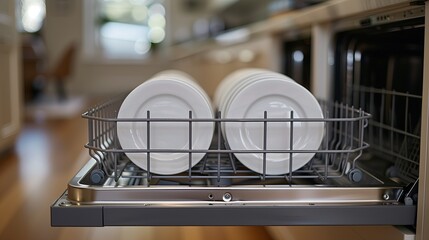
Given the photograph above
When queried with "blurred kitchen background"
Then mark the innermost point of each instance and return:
(87, 48)
(57, 57)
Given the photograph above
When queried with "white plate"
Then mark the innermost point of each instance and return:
(235, 78)
(229, 81)
(257, 76)
(175, 73)
(182, 76)
(246, 80)
(165, 98)
(278, 98)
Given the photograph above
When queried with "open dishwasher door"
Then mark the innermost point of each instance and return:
(133, 205)
(332, 189)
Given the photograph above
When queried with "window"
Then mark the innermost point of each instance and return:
(31, 14)
(123, 29)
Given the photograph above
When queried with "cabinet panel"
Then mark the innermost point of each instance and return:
(5, 92)
(10, 93)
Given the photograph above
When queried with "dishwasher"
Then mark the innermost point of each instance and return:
(365, 172)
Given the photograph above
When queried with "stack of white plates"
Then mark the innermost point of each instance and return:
(169, 94)
(248, 93)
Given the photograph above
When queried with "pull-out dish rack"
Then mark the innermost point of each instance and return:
(332, 189)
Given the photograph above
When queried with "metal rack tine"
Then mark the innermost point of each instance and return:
(148, 147)
(190, 147)
(326, 145)
(264, 154)
(291, 147)
(218, 123)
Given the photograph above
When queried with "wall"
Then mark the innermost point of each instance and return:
(64, 26)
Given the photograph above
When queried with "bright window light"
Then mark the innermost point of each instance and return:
(129, 28)
(33, 13)
(156, 34)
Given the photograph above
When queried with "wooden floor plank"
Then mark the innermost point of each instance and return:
(136, 233)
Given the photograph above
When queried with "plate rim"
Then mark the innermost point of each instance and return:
(243, 159)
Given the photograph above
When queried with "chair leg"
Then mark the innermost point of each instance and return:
(61, 91)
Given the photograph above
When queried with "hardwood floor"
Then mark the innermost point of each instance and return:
(36, 171)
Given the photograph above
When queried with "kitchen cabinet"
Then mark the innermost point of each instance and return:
(10, 96)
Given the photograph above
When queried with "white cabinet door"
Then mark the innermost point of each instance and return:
(10, 104)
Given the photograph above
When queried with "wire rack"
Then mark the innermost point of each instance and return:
(341, 148)
(394, 129)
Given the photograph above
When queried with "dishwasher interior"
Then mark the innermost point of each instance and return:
(380, 69)
(365, 172)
